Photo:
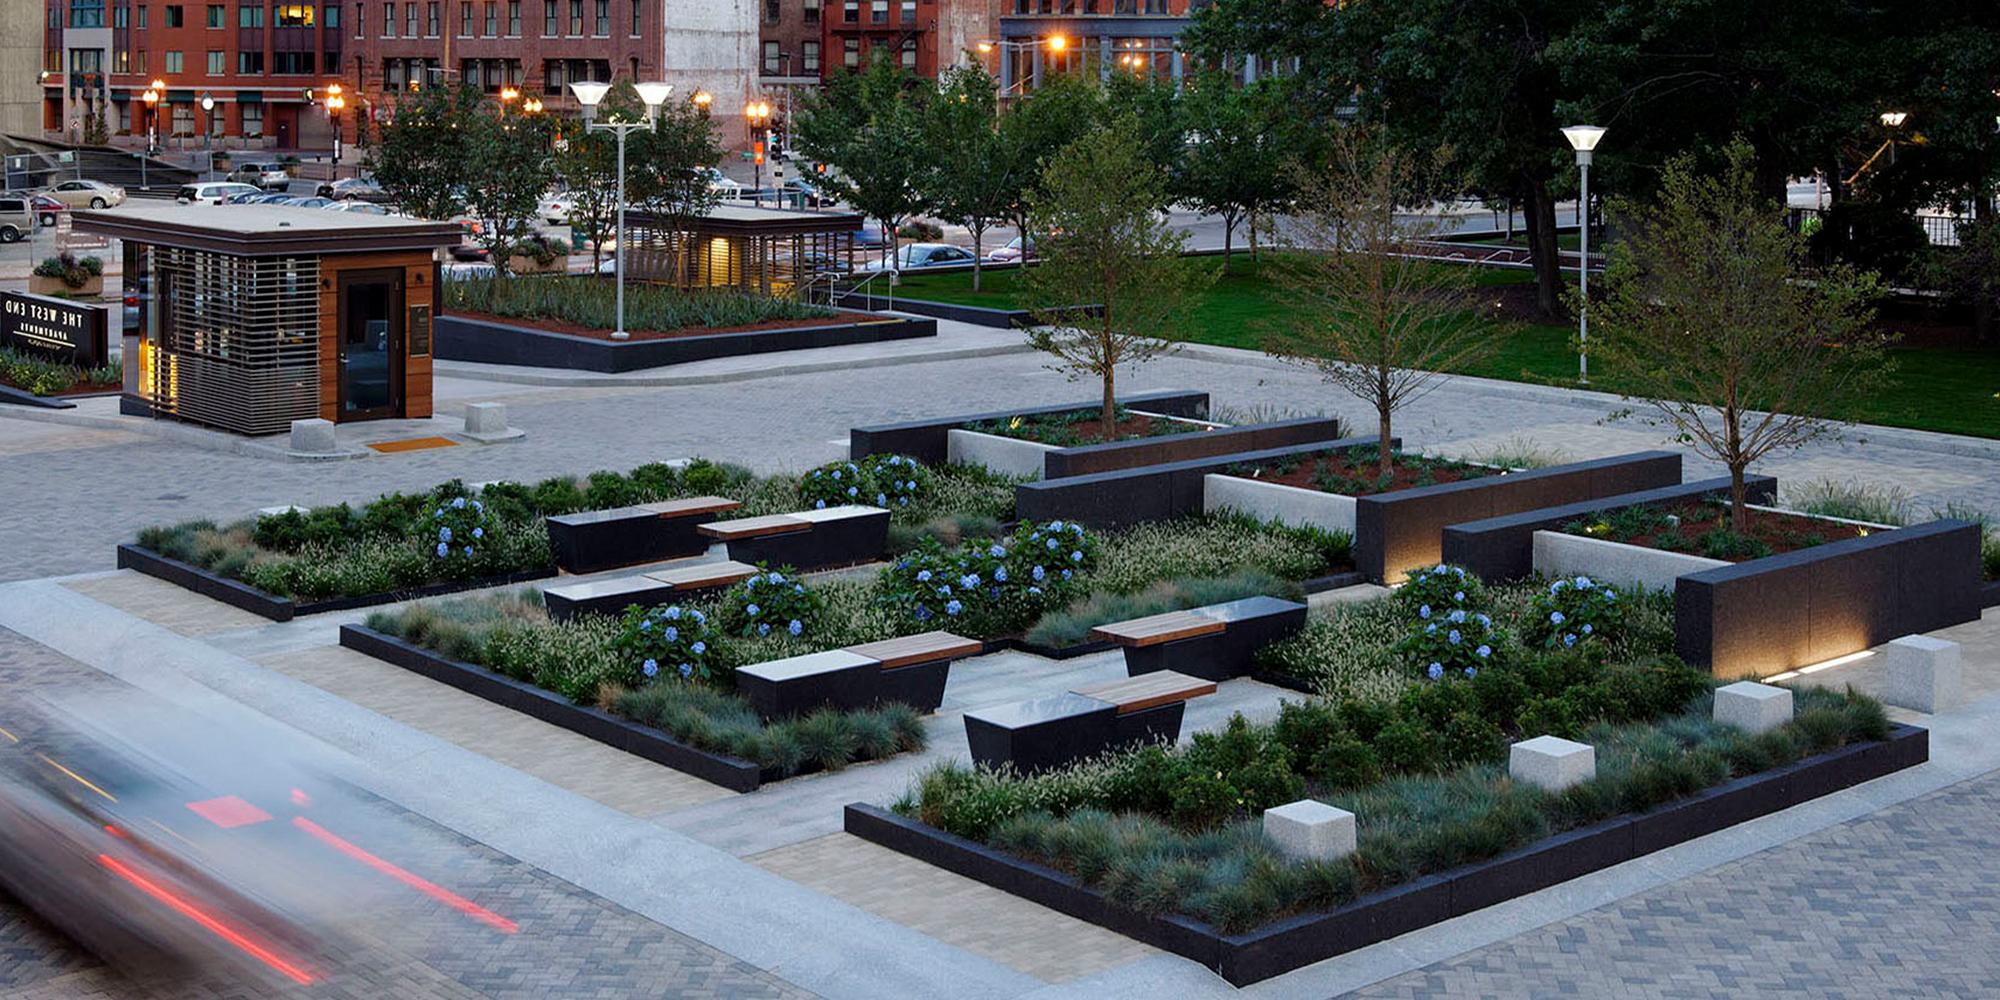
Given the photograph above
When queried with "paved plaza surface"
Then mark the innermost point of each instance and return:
(630, 879)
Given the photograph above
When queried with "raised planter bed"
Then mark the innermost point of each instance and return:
(986, 316)
(1126, 497)
(238, 594)
(1015, 456)
(464, 338)
(1502, 548)
(92, 287)
(732, 773)
(1559, 554)
(927, 440)
(1251, 957)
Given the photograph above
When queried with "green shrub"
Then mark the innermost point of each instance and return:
(773, 599)
(1572, 610)
(1213, 546)
(1072, 624)
(892, 482)
(588, 301)
(1441, 588)
(1454, 643)
(991, 589)
(672, 641)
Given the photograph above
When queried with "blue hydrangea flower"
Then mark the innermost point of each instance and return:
(476, 505)
(1458, 595)
(836, 473)
(1424, 611)
(796, 627)
(1039, 573)
(439, 515)
(1556, 587)
(853, 491)
(881, 500)
(1453, 637)
(646, 625)
(1052, 545)
(819, 505)
(1556, 618)
(1075, 528)
(752, 610)
(650, 668)
(969, 580)
(458, 503)
(1066, 574)
(673, 612)
(443, 549)
(1458, 616)
(1431, 628)
(777, 577)
(700, 619)
(1569, 638)
(479, 532)
(673, 634)
(1587, 629)
(1034, 590)
(1483, 651)
(763, 628)
(1000, 574)
(953, 608)
(923, 576)
(1076, 556)
(1055, 526)
(687, 671)
(698, 648)
(923, 613)
(1486, 620)
(444, 534)
(1471, 672)
(468, 550)
(1584, 582)
(798, 588)
(1436, 671)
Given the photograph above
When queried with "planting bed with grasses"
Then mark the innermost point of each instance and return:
(1357, 472)
(587, 305)
(1421, 694)
(1702, 527)
(1081, 427)
(40, 376)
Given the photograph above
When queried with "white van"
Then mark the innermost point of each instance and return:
(17, 216)
(213, 192)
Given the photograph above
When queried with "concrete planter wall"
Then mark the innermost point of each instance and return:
(1217, 439)
(1151, 493)
(1617, 563)
(44, 285)
(1277, 502)
(1502, 548)
(1397, 532)
(462, 338)
(1770, 615)
(1005, 455)
(927, 440)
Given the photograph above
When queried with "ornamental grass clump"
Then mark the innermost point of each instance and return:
(588, 301)
(1212, 546)
(773, 599)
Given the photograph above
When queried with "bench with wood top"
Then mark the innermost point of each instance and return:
(613, 596)
(595, 540)
(1050, 733)
(911, 670)
(806, 540)
(1218, 642)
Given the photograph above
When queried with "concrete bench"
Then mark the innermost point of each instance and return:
(1217, 642)
(911, 670)
(1049, 733)
(613, 596)
(807, 540)
(591, 541)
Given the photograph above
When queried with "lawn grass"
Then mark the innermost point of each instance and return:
(1952, 390)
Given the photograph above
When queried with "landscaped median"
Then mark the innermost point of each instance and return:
(1426, 696)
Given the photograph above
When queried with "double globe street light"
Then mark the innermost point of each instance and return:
(588, 95)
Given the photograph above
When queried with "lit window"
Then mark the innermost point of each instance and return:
(295, 15)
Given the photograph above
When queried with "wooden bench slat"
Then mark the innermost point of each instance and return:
(700, 575)
(1155, 629)
(1136, 694)
(687, 506)
(753, 527)
(926, 647)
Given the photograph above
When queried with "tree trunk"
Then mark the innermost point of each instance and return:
(1982, 302)
(1385, 463)
(1542, 248)
(1737, 510)
(978, 235)
(1110, 411)
(1228, 238)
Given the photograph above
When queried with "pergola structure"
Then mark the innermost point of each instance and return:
(772, 251)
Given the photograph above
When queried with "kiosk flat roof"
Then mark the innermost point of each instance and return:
(262, 230)
(734, 219)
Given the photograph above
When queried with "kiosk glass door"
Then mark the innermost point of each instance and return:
(371, 345)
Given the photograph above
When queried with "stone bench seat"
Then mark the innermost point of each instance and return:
(613, 596)
(911, 670)
(1049, 733)
(806, 540)
(1217, 642)
(596, 540)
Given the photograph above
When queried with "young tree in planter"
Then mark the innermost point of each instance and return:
(1109, 245)
(1711, 316)
(669, 170)
(1380, 325)
(423, 159)
(869, 127)
(969, 179)
(507, 169)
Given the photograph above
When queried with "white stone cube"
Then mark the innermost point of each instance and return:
(485, 418)
(1924, 674)
(1552, 762)
(1753, 707)
(313, 437)
(1310, 830)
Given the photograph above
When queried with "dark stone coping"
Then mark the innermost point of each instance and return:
(1989, 594)
(1399, 531)
(733, 773)
(1125, 497)
(1784, 611)
(238, 594)
(924, 440)
(1503, 548)
(462, 338)
(22, 397)
(1301, 940)
(987, 316)
(1110, 456)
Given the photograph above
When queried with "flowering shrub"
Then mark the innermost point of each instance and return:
(991, 588)
(889, 481)
(669, 641)
(1441, 588)
(773, 599)
(1574, 610)
(458, 529)
(1454, 643)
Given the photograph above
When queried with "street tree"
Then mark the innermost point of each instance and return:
(1370, 319)
(869, 128)
(586, 163)
(423, 156)
(1239, 141)
(1102, 204)
(669, 169)
(1713, 319)
(1040, 124)
(969, 179)
(507, 169)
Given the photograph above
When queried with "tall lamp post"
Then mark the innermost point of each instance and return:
(208, 132)
(588, 95)
(336, 101)
(152, 96)
(1583, 139)
(758, 114)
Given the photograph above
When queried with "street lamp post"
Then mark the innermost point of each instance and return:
(208, 133)
(758, 113)
(336, 100)
(152, 96)
(1583, 139)
(588, 95)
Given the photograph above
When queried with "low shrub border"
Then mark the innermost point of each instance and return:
(732, 773)
(238, 594)
(1298, 941)
(463, 338)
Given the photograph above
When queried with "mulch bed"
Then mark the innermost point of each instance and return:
(1777, 532)
(595, 333)
(1068, 433)
(1361, 478)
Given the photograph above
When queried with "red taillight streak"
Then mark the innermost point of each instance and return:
(431, 889)
(208, 922)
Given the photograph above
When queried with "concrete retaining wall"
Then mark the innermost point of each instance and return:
(1617, 563)
(1277, 502)
(1502, 548)
(1005, 455)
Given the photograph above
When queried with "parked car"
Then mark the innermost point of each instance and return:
(298, 202)
(730, 190)
(349, 189)
(87, 194)
(17, 217)
(870, 235)
(253, 196)
(1015, 250)
(264, 175)
(466, 271)
(799, 191)
(554, 209)
(355, 207)
(213, 192)
(48, 211)
(913, 256)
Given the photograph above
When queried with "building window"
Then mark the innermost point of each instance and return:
(86, 14)
(878, 11)
(548, 18)
(141, 68)
(332, 16)
(183, 116)
(772, 57)
(388, 20)
(120, 16)
(850, 52)
(576, 18)
(121, 61)
(250, 62)
(253, 120)
(811, 11)
(772, 11)
(809, 61)
(909, 53)
(465, 19)
(142, 16)
(215, 64)
(492, 18)
(410, 19)
(636, 8)
(214, 14)
(603, 19)
(909, 13)
(173, 61)
(292, 63)
(174, 16)
(294, 15)
(249, 17)
(360, 19)
(513, 18)
(431, 19)
(850, 11)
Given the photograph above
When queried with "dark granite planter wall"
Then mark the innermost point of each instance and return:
(732, 773)
(924, 440)
(1398, 532)
(1150, 493)
(22, 397)
(459, 338)
(998, 319)
(1111, 456)
(1503, 548)
(1782, 612)
(238, 594)
(1301, 940)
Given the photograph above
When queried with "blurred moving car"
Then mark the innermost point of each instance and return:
(468, 270)
(915, 256)
(214, 192)
(48, 211)
(350, 189)
(86, 193)
(356, 207)
(262, 174)
(1015, 250)
(870, 235)
(554, 209)
(799, 191)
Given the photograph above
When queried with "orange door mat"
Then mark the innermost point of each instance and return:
(413, 444)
